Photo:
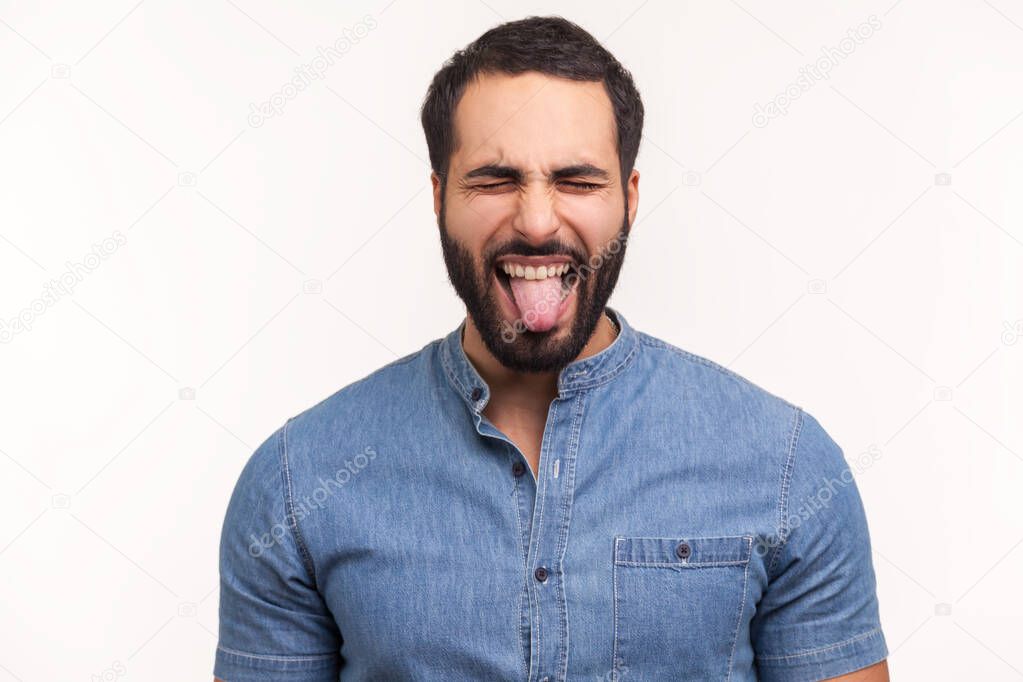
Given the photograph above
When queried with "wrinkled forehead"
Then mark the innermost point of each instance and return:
(534, 122)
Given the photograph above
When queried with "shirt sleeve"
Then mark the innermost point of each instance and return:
(274, 624)
(818, 617)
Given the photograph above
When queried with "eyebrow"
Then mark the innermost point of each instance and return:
(579, 170)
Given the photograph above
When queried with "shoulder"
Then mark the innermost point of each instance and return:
(712, 388)
(815, 482)
(261, 483)
(346, 422)
(356, 415)
(380, 390)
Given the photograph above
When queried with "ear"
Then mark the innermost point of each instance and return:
(435, 180)
(632, 192)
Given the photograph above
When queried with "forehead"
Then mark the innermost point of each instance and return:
(533, 121)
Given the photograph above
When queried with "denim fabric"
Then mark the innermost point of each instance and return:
(684, 524)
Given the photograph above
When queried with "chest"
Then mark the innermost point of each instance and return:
(445, 554)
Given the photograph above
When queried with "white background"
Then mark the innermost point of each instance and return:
(824, 256)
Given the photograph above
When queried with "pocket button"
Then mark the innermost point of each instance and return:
(683, 550)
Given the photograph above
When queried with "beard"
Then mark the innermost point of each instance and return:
(515, 346)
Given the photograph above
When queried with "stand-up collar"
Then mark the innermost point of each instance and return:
(580, 374)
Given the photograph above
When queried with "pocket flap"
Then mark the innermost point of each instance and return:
(730, 550)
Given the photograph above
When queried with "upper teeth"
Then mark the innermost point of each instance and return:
(530, 272)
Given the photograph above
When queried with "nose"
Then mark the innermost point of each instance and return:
(536, 218)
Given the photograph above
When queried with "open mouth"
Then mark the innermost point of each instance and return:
(538, 287)
(511, 270)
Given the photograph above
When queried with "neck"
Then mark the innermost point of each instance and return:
(526, 388)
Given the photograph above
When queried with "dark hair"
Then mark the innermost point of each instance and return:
(551, 45)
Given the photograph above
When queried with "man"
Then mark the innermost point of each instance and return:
(546, 493)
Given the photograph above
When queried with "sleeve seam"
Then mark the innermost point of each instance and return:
(277, 658)
(812, 652)
(289, 504)
(786, 479)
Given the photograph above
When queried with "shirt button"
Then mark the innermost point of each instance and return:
(540, 574)
(518, 468)
(476, 393)
(683, 550)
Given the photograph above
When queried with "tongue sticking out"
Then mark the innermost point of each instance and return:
(539, 301)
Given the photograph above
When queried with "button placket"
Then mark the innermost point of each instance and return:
(548, 539)
(543, 511)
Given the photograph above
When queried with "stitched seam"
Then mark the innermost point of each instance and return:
(614, 646)
(738, 621)
(738, 561)
(742, 606)
(450, 371)
(679, 538)
(545, 448)
(538, 528)
(604, 378)
(563, 613)
(534, 651)
(681, 564)
(534, 589)
(783, 496)
(289, 503)
(525, 564)
(810, 652)
(569, 499)
(282, 659)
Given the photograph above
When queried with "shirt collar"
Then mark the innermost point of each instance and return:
(580, 374)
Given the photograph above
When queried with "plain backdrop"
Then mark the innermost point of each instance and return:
(183, 268)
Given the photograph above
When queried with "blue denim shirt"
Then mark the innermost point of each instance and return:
(683, 524)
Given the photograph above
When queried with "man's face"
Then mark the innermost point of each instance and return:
(533, 218)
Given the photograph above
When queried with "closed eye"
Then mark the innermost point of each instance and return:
(574, 185)
(583, 185)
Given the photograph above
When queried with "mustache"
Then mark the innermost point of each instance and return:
(521, 248)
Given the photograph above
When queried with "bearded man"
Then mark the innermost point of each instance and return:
(546, 493)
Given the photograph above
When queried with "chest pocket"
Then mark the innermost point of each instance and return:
(678, 603)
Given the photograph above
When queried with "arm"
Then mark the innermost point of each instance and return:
(818, 616)
(874, 673)
(274, 624)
